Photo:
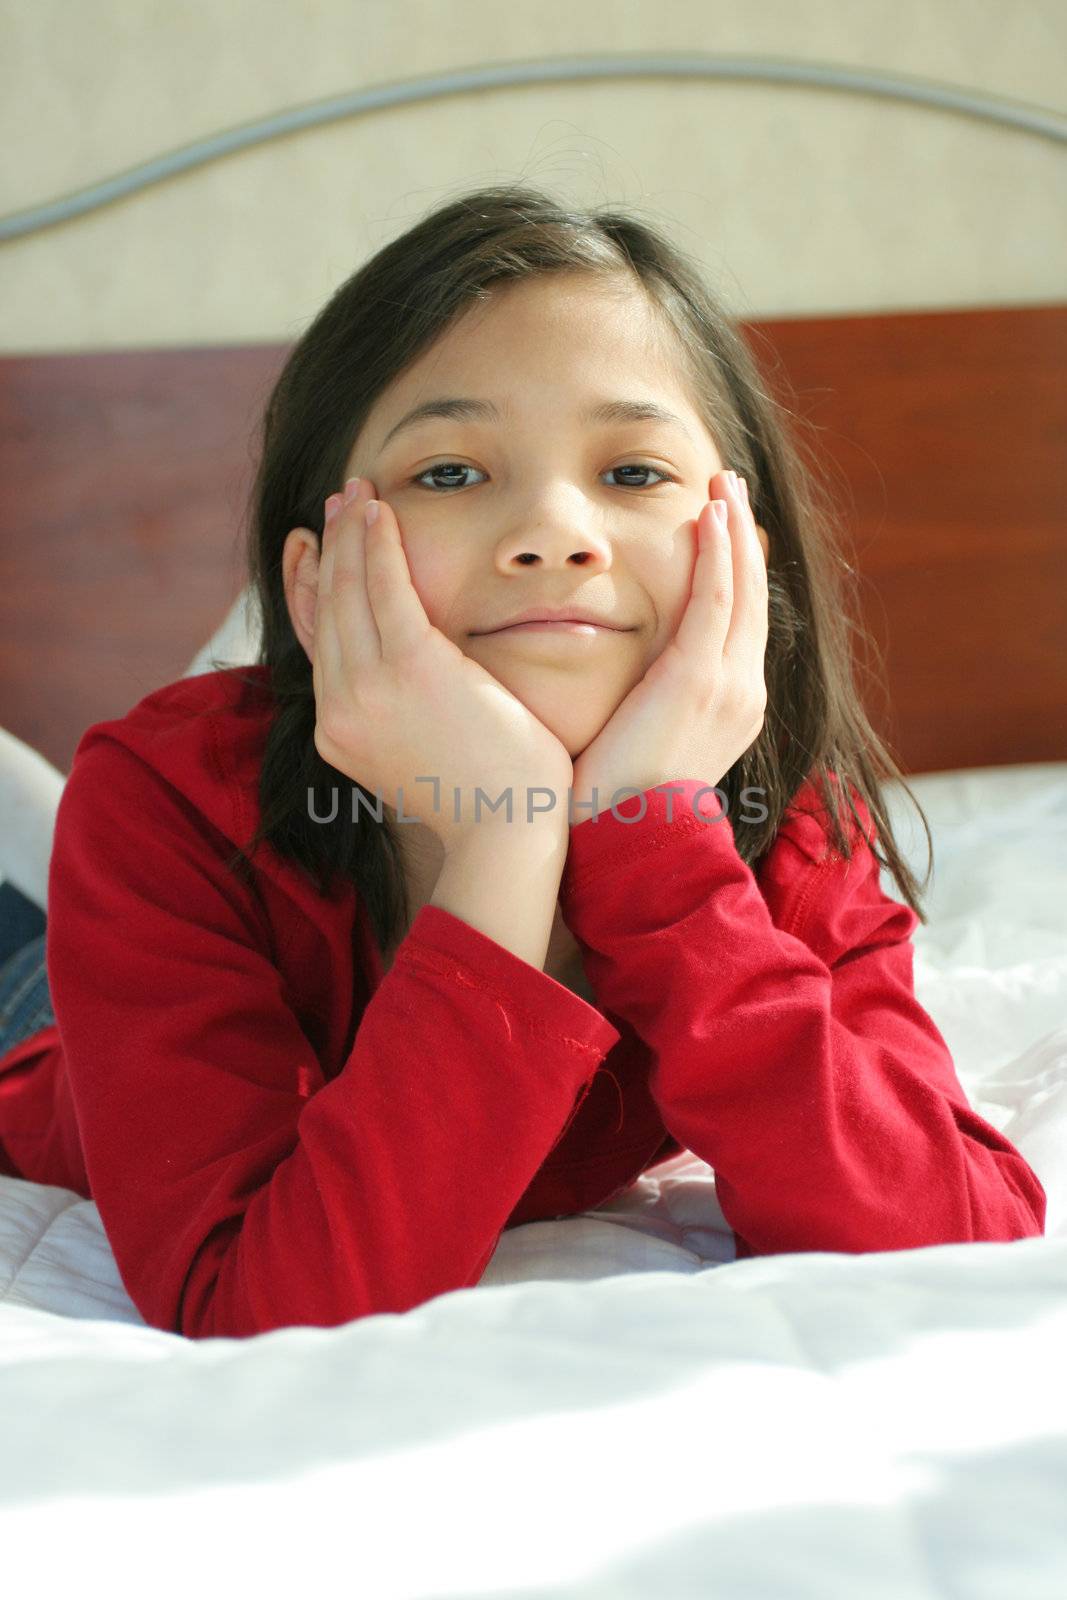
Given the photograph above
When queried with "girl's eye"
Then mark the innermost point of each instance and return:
(443, 466)
(639, 466)
(459, 466)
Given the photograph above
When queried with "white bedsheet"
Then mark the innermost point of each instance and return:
(619, 1408)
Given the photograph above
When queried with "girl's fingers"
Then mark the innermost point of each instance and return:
(326, 645)
(701, 634)
(343, 588)
(398, 611)
(749, 618)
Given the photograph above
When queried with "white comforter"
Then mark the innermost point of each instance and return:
(619, 1408)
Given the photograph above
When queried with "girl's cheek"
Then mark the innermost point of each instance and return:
(667, 586)
(436, 581)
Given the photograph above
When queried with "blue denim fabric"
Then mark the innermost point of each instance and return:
(25, 1000)
(20, 920)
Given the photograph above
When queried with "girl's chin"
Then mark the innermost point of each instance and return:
(575, 713)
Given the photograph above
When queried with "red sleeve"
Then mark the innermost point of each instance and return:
(233, 1202)
(793, 1058)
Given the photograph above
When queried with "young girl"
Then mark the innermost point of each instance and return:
(447, 986)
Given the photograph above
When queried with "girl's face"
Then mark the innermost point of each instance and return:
(542, 504)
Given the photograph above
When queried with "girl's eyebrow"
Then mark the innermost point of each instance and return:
(461, 409)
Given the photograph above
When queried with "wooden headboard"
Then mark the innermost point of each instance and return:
(124, 478)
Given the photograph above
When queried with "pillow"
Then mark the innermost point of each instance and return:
(235, 643)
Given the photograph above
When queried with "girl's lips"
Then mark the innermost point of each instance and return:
(591, 629)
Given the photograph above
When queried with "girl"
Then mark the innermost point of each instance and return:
(525, 909)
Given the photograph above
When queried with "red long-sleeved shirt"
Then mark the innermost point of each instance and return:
(275, 1133)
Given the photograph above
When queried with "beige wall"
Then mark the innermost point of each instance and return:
(796, 200)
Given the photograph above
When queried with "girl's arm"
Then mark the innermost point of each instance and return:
(790, 1051)
(503, 879)
(236, 1196)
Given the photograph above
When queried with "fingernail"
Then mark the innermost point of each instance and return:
(722, 513)
(351, 490)
(332, 505)
(371, 512)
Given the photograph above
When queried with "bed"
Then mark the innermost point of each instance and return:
(619, 1407)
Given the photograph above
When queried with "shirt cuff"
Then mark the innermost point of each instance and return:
(455, 948)
(644, 824)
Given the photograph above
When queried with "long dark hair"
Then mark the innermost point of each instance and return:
(378, 322)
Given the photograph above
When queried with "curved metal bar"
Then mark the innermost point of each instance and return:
(894, 86)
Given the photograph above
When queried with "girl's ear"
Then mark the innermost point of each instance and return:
(300, 572)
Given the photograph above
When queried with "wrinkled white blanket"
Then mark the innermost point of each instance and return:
(619, 1407)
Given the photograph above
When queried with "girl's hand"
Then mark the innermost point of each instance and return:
(701, 703)
(396, 700)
